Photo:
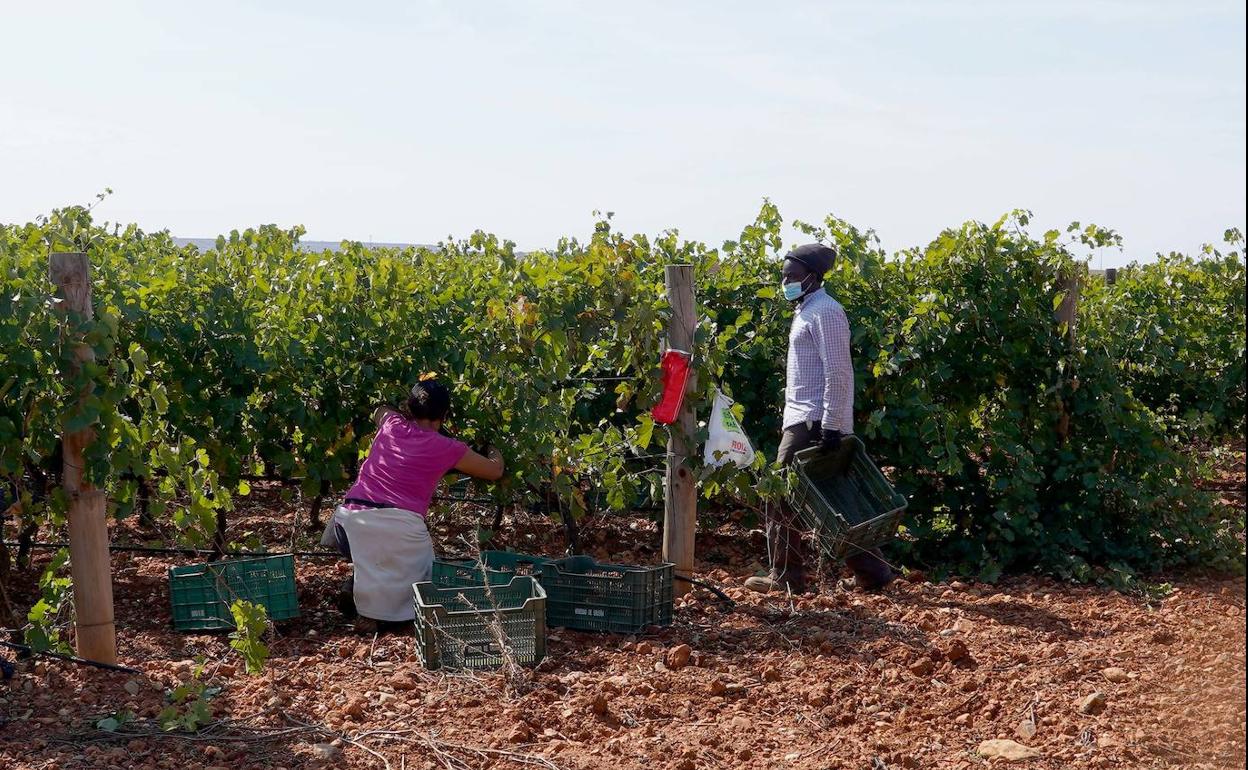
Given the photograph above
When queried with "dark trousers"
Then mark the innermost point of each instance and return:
(784, 536)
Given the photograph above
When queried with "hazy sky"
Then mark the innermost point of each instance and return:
(410, 121)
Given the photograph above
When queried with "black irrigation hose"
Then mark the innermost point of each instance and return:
(68, 658)
(321, 554)
(568, 383)
(188, 551)
(700, 584)
(293, 480)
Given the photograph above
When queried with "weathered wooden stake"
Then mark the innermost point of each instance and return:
(1067, 312)
(1067, 316)
(680, 503)
(88, 529)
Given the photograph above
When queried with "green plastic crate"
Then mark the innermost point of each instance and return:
(453, 624)
(581, 593)
(201, 594)
(845, 499)
(501, 566)
(592, 596)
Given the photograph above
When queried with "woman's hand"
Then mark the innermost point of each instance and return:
(382, 413)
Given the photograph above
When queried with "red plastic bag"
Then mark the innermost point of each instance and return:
(675, 366)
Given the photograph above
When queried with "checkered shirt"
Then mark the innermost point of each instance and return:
(819, 376)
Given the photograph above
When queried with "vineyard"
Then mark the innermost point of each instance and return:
(258, 360)
(250, 372)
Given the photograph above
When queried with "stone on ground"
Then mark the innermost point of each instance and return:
(1011, 751)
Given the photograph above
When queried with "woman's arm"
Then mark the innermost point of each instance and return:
(489, 468)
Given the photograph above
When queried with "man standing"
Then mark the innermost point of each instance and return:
(818, 411)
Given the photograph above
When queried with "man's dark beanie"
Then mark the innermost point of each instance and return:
(815, 256)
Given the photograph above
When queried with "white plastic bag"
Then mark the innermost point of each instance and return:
(726, 438)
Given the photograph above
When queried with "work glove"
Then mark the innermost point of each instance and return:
(830, 440)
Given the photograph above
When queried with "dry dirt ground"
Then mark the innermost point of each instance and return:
(918, 677)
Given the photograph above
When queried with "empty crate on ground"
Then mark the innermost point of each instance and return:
(582, 594)
(201, 594)
(468, 626)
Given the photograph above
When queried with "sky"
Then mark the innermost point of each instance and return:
(417, 120)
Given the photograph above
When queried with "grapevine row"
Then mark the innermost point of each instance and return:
(258, 358)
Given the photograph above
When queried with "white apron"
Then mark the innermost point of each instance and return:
(390, 550)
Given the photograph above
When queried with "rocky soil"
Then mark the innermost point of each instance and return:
(1027, 673)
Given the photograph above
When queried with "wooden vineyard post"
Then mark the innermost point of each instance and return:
(88, 529)
(1066, 316)
(680, 501)
(1067, 312)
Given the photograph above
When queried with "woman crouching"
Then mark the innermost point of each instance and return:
(380, 526)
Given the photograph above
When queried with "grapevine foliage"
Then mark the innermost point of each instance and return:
(1176, 330)
(1017, 447)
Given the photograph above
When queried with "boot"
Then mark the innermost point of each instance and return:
(346, 599)
(871, 572)
(785, 545)
(775, 582)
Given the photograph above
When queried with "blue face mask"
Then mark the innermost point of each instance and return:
(792, 291)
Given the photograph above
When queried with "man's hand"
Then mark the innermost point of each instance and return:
(830, 440)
